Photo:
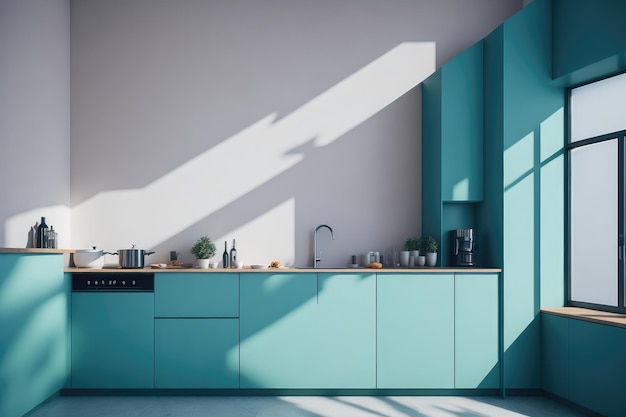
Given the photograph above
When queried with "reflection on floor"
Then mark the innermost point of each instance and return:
(349, 406)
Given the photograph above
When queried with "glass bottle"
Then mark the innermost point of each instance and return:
(233, 255)
(225, 263)
(42, 234)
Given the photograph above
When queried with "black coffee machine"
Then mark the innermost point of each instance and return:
(463, 247)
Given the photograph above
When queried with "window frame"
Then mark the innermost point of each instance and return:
(620, 136)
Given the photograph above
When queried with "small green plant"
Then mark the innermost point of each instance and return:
(204, 248)
(413, 243)
(430, 245)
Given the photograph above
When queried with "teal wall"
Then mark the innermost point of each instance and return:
(525, 182)
(589, 39)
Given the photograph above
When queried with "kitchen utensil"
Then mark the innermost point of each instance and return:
(89, 258)
(132, 258)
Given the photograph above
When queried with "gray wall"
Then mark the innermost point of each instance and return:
(34, 118)
(256, 121)
(236, 119)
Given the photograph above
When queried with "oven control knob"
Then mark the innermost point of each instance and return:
(88, 282)
(95, 282)
(114, 282)
(134, 282)
(123, 282)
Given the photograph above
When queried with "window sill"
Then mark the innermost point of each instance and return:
(593, 316)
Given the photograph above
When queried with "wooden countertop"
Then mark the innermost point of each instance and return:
(35, 250)
(291, 270)
(593, 316)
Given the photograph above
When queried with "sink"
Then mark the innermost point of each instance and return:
(324, 267)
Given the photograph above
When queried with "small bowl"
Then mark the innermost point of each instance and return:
(238, 264)
(213, 265)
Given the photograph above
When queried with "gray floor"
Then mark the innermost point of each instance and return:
(303, 407)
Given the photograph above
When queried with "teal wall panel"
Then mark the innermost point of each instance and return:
(196, 353)
(489, 217)
(532, 145)
(589, 39)
(210, 294)
(431, 155)
(555, 355)
(415, 331)
(34, 299)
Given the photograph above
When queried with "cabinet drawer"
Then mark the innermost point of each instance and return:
(196, 294)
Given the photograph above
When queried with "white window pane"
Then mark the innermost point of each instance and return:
(594, 221)
(598, 108)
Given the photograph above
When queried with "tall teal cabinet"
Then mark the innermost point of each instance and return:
(452, 146)
(34, 330)
(308, 330)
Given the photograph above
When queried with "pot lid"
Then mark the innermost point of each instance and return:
(93, 250)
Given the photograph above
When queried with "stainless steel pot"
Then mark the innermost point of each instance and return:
(132, 258)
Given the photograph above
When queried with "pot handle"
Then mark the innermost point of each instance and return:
(149, 253)
(110, 253)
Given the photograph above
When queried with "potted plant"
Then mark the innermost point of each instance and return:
(413, 246)
(430, 247)
(203, 249)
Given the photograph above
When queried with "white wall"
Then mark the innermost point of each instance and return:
(34, 118)
(256, 121)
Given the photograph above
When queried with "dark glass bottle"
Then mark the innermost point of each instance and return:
(225, 263)
(233, 255)
(42, 234)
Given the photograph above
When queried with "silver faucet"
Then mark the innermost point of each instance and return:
(316, 258)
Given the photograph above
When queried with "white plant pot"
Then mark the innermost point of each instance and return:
(203, 263)
(431, 259)
(421, 260)
(405, 255)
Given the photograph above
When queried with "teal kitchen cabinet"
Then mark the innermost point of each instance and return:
(34, 330)
(476, 334)
(415, 330)
(453, 129)
(346, 329)
(196, 353)
(597, 366)
(307, 330)
(112, 340)
(210, 294)
(555, 354)
(452, 147)
(197, 330)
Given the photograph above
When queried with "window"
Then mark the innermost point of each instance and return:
(596, 167)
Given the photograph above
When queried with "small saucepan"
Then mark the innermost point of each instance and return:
(132, 258)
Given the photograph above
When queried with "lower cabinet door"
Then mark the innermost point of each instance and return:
(415, 335)
(197, 353)
(112, 340)
(308, 330)
(476, 331)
